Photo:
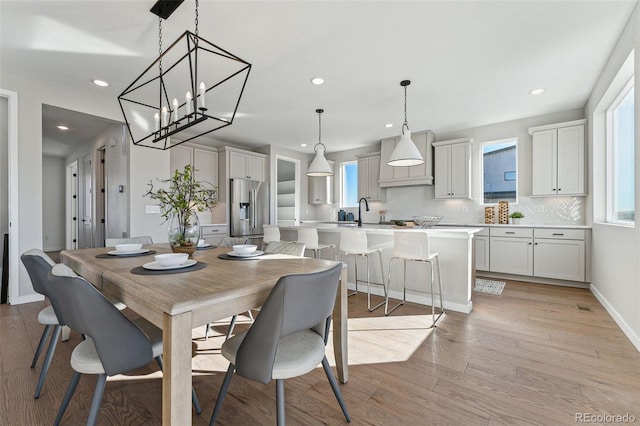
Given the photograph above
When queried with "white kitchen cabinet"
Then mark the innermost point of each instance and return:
(559, 253)
(368, 176)
(205, 165)
(213, 233)
(558, 159)
(404, 176)
(452, 170)
(511, 250)
(246, 165)
(482, 249)
(321, 188)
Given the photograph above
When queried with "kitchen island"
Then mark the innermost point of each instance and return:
(454, 245)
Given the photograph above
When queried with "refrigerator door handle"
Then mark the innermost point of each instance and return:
(254, 209)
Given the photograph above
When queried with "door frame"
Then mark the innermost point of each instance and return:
(297, 165)
(13, 293)
(72, 205)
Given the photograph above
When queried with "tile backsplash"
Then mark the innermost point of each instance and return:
(409, 202)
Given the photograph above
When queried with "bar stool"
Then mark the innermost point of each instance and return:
(414, 247)
(271, 233)
(353, 242)
(309, 237)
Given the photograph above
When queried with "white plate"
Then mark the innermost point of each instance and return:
(254, 254)
(204, 245)
(155, 266)
(126, 253)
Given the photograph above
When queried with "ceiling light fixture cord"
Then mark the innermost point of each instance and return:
(315, 149)
(160, 45)
(406, 123)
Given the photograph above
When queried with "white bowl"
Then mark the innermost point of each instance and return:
(201, 242)
(126, 248)
(171, 259)
(244, 248)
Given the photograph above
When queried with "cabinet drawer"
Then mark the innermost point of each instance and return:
(211, 231)
(559, 233)
(511, 232)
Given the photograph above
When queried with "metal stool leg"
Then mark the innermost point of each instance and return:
(404, 287)
(369, 286)
(433, 296)
(355, 259)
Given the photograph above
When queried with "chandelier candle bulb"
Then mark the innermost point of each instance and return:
(188, 98)
(203, 90)
(165, 116)
(156, 119)
(175, 110)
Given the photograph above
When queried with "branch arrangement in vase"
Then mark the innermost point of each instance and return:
(180, 202)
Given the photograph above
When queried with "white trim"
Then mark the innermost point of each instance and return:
(557, 125)
(14, 249)
(626, 329)
(18, 300)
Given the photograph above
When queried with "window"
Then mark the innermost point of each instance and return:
(620, 158)
(499, 171)
(349, 184)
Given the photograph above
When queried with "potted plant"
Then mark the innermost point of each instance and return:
(180, 203)
(515, 217)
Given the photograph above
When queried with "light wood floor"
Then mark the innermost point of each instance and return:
(528, 356)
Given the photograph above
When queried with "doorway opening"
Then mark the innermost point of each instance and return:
(287, 191)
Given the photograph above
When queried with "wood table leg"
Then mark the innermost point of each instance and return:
(340, 341)
(176, 379)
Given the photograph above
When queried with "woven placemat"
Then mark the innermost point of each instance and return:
(141, 271)
(115, 256)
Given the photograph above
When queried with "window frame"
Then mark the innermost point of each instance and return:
(612, 157)
(515, 141)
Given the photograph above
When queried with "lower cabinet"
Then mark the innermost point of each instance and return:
(511, 252)
(560, 254)
(557, 253)
(482, 250)
(213, 234)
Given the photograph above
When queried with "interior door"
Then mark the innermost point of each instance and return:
(86, 200)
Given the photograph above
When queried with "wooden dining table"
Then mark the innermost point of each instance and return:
(179, 302)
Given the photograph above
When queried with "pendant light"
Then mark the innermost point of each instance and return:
(319, 166)
(405, 153)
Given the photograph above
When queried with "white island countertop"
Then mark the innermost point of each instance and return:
(455, 246)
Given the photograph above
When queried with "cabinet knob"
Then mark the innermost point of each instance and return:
(559, 189)
(530, 243)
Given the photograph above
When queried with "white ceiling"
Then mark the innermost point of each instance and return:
(470, 62)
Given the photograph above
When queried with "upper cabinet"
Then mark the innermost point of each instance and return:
(558, 159)
(452, 169)
(205, 164)
(321, 188)
(368, 176)
(405, 176)
(247, 165)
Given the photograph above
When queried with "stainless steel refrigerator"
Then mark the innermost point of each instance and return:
(249, 204)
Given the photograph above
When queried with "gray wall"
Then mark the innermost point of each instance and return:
(53, 201)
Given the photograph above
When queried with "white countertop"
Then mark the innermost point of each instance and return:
(521, 225)
(440, 231)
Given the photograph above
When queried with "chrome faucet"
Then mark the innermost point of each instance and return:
(366, 206)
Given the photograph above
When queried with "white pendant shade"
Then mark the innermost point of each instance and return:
(319, 166)
(405, 153)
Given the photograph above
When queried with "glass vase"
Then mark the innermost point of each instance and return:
(184, 231)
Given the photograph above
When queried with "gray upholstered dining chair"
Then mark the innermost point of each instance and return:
(288, 338)
(114, 344)
(111, 242)
(38, 265)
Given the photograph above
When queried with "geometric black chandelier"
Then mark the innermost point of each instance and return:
(193, 88)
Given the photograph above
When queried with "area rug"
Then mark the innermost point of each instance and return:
(489, 286)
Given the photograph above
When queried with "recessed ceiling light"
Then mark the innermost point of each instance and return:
(100, 83)
(317, 81)
(61, 127)
(303, 144)
(536, 91)
(388, 125)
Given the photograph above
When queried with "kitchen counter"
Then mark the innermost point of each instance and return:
(520, 225)
(455, 246)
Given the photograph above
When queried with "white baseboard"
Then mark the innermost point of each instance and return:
(26, 299)
(628, 331)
